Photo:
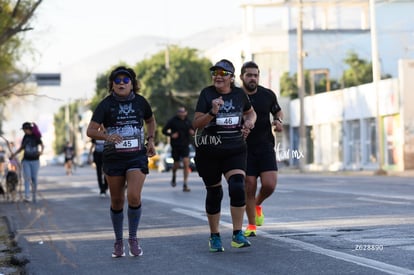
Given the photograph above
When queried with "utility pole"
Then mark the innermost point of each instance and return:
(167, 77)
(301, 88)
(167, 57)
(67, 122)
(376, 77)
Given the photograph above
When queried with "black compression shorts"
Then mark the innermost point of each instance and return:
(212, 164)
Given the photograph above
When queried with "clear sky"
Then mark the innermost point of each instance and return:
(68, 30)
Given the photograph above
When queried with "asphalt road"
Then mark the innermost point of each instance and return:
(314, 224)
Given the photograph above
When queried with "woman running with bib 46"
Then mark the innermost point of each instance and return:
(222, 112)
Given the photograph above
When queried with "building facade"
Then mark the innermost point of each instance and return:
(359, 128)
(364, 127)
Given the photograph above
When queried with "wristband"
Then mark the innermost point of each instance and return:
(150, 137)
(211, 113)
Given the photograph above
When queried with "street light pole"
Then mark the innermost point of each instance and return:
(376, 77)
(301, 88)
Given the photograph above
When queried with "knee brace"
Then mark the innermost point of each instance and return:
(213, 199)
(236, 190)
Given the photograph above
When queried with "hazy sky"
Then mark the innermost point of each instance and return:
(68, 30)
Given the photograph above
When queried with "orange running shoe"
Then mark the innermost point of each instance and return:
(259, 215)
(250, 231)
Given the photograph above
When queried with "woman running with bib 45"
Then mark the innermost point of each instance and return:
(123, 114)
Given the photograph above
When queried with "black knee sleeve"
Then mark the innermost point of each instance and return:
(236, 190)
(213, 199)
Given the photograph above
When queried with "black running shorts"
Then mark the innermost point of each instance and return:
(261, 158)
(121, 167)
(180, 152)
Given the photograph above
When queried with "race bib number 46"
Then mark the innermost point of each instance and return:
(227, 121)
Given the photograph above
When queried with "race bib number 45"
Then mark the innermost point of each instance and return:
(127, 144)
(227, 121)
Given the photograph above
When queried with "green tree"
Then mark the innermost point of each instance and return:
(65, 131)
(288, 85)
(289, 88)
(358, 73)
(101, 90)
(168, 79)
(14, 21)
(173, 78)
(15, 17)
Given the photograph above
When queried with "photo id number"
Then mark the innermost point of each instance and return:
(369, 247)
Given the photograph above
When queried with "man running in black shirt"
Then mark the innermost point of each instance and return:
(179, 129)
(69, 152)
(261, 156)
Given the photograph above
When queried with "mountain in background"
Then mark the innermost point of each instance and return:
(78, 78)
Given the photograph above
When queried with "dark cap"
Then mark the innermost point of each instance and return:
(223, 64)
(27, 125)
(120, 71)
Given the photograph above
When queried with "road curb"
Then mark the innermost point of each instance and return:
(11, 260)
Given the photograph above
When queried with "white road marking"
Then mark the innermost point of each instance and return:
(377, 265)
(383, 201)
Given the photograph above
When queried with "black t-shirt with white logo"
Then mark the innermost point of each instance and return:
(125, 118)
(223, 131)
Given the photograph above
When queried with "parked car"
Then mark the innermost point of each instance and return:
(165, 161)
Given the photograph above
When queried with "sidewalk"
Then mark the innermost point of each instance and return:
(406, 173)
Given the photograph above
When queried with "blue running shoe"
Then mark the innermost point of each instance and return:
(215, 244)
(239, 240)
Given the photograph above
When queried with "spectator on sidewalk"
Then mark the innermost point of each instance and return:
(2, 160)
(33, 147)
